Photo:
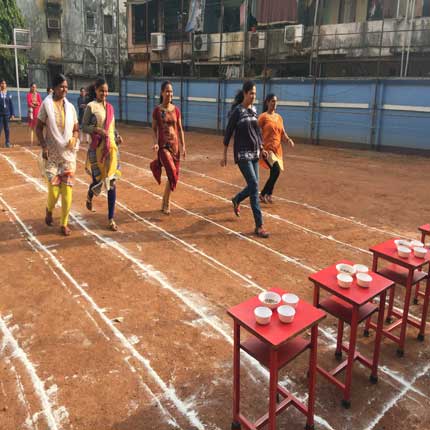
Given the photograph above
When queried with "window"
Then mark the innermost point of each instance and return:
(108, 24)
(143, 15)
(91, 21)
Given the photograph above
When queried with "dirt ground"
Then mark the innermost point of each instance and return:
(129, 330)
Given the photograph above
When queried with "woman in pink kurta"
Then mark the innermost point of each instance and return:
(168, 133)
(34, 101)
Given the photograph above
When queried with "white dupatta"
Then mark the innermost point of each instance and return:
(62, 140)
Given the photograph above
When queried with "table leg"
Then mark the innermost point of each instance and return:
(236, 375)
(423, 237)
(346, 402)
(425, 310)
(312, 377)
(378, 337)
(316, 295)
(401, 349)
(338, 352)
(273, 388)
(374, 269)
(389, 318)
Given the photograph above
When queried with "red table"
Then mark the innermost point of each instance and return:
(425, 231)
(352, 306)
(407, 272)
(273, 346)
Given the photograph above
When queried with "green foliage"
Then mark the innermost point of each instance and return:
(10, 18)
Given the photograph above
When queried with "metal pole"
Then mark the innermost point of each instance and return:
(119, 57)
(405, 73)
(245, 36)
(182, 54)
(398, 9)
(17, 74)
(381, 40)
(403, 39)
(313, 35)
(148, 65)
(103, 37)
(219, 66)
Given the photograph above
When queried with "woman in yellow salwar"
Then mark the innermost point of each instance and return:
(103, 156)
(59, 147)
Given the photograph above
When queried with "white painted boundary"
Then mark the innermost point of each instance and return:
(406, 108)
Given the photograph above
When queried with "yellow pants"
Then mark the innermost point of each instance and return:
(54, 192)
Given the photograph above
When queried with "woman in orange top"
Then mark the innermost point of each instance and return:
(274, 134)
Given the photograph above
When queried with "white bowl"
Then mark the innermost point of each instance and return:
(360, 268)
(402, 242)
(286, 313)
(262, 315)
(345, 268)
(364, 280)
(416, 244)
(290, 300)
(344, 280)
(403, 251)
(420, 252)
(269, 299)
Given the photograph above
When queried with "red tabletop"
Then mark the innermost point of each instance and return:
(355, 295)
(388, 250)
(276, 332)
(425, 228)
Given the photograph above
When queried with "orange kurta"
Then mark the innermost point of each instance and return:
(272, 127)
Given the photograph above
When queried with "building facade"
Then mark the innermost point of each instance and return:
(80, 38)
(278, 38)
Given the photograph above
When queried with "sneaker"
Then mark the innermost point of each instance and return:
(236, 207)
(260, 232)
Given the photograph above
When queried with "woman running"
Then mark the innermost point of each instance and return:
(167, 134)
(59, 147)
(248, 146)
(103, 156)
(34, 101)
(274, 133)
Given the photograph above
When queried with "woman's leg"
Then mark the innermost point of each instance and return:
(111, 201)
(6, 131)
(249, 170)
(275, 170)
(53, 193)
(66, 203)
(165, 207)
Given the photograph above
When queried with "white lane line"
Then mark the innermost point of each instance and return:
(168, 391)
(306, 205)
(154, 398)
(10, 343)
(217, 326)
(396, 398)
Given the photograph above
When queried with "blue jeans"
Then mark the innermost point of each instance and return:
(249, 169)
(4, 123)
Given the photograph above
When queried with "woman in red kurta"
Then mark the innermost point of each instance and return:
(34, 101)
(168, 134)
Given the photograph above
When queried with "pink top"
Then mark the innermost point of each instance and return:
(356, 295)
(276, 332)
(388, 250)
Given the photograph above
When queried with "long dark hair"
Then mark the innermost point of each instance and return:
(246, 87)
(163, 87)
(267, 100)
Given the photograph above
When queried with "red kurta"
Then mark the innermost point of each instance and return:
(34, 102)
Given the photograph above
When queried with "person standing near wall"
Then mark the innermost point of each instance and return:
(103, 154)
(34, 101)
(167, 134)
(82, 104)
(6, 111)
(272, 127)
(248, 146)
(59, 148)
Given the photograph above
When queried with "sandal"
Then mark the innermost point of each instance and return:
(48, 218)
(260, 232)
(113, 225)
(165, 211)
(236, 207)
(269, 199)
(65, 230)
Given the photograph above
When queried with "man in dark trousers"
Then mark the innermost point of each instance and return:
(6, 111)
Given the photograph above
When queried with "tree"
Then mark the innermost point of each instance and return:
(10, 18)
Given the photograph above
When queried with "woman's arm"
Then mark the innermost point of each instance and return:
(181, 135)
(154, 135)
(41, 138)
(287, 139)
(231, 125)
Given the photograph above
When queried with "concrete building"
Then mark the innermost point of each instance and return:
(229, 38)
(80, 38)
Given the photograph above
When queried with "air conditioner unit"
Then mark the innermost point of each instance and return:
(54, 23)
(257, 40)
(293, 34)
(158, 41)
(200, 43)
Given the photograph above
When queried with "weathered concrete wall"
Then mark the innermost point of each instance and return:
(75, 47)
